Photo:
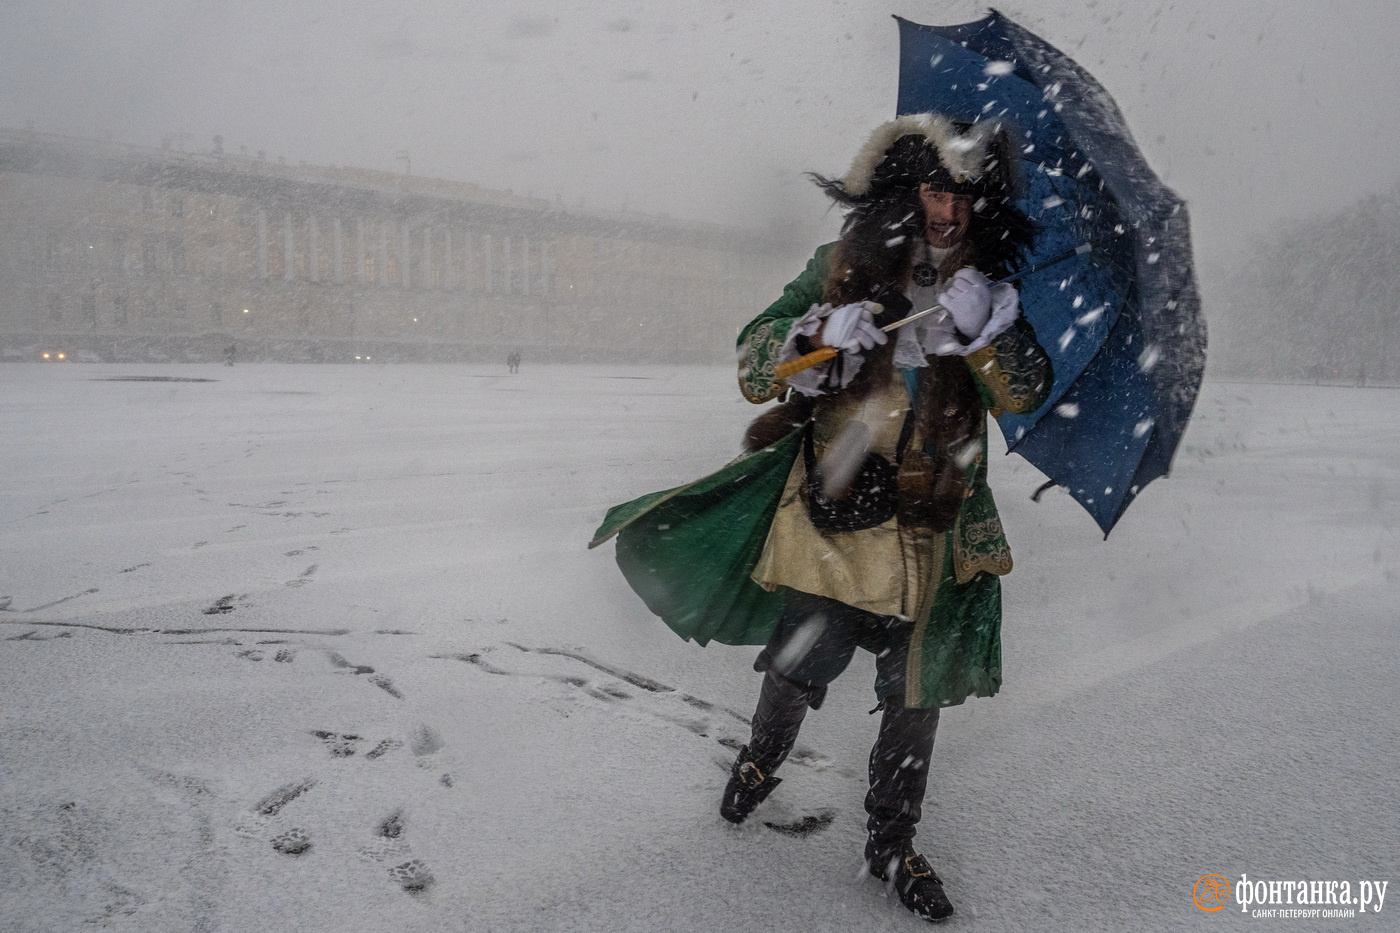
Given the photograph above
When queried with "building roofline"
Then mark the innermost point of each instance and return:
(70, 156)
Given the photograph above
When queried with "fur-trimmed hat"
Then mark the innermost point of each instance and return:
(967, 158)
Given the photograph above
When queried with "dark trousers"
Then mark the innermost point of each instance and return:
(812, 645)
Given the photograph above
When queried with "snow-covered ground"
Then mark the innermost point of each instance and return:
(321, 649)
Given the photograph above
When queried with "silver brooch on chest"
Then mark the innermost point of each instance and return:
(925, 275)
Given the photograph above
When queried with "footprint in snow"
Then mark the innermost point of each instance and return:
(383, 748)
(610, 683)
(379, 680)
(342, 745)
(413, 876)
(427, 746)
(805, 825)
(294, 841)
(223, 605)
(304, 577)
(390, 844)
(267, 825)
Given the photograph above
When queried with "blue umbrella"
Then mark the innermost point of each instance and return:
(1123, 322)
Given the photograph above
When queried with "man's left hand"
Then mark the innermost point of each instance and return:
(968, 298)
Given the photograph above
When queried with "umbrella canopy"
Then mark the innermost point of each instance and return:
(1122, 323)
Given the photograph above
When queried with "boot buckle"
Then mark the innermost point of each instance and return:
(749, 775)
(917, 866)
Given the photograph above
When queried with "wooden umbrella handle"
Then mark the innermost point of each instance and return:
(815, 358)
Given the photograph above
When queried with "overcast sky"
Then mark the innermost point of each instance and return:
(1254, 111)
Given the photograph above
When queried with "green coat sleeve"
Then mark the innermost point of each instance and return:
(762, 339)
(1014, 373)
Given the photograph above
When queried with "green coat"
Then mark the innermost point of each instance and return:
(689, 551)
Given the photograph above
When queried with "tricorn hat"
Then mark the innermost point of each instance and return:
(979, 158)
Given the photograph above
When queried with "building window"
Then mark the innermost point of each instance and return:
(313, 248)
(383, 252)
(340, 267)
(275, 251)
(213, 255)
(293, 265)
(49, 252)
(119, 252)
(361, 253)
(177, 254)
(438, 261)
(488, 279)
(262, 243)
(507, 267)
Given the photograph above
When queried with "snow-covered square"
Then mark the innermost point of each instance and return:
(321, 648)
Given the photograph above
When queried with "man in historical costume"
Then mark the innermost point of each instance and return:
(861, 516)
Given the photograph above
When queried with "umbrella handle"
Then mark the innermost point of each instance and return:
(822, 354)
(815, 358)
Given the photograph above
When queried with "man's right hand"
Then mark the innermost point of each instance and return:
(851, 327)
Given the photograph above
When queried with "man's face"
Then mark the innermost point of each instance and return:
(946, 216)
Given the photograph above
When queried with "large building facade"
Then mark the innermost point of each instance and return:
(112, 252)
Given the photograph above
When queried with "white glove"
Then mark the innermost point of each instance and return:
(852, 327)
(937, 336)
(968, 298)
(1006, 306)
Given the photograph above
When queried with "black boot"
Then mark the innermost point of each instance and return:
(912, 878)
(747, 788)
(898, 779)
(782, 705)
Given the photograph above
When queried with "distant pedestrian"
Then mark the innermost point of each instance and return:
(513, 361)
(230, 352)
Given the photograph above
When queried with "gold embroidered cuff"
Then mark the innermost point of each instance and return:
(998, 382)
(980, 546)
(757, 359)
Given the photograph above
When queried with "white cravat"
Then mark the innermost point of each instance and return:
(928, 335)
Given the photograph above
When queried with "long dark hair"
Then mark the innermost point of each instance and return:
(876, 251)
